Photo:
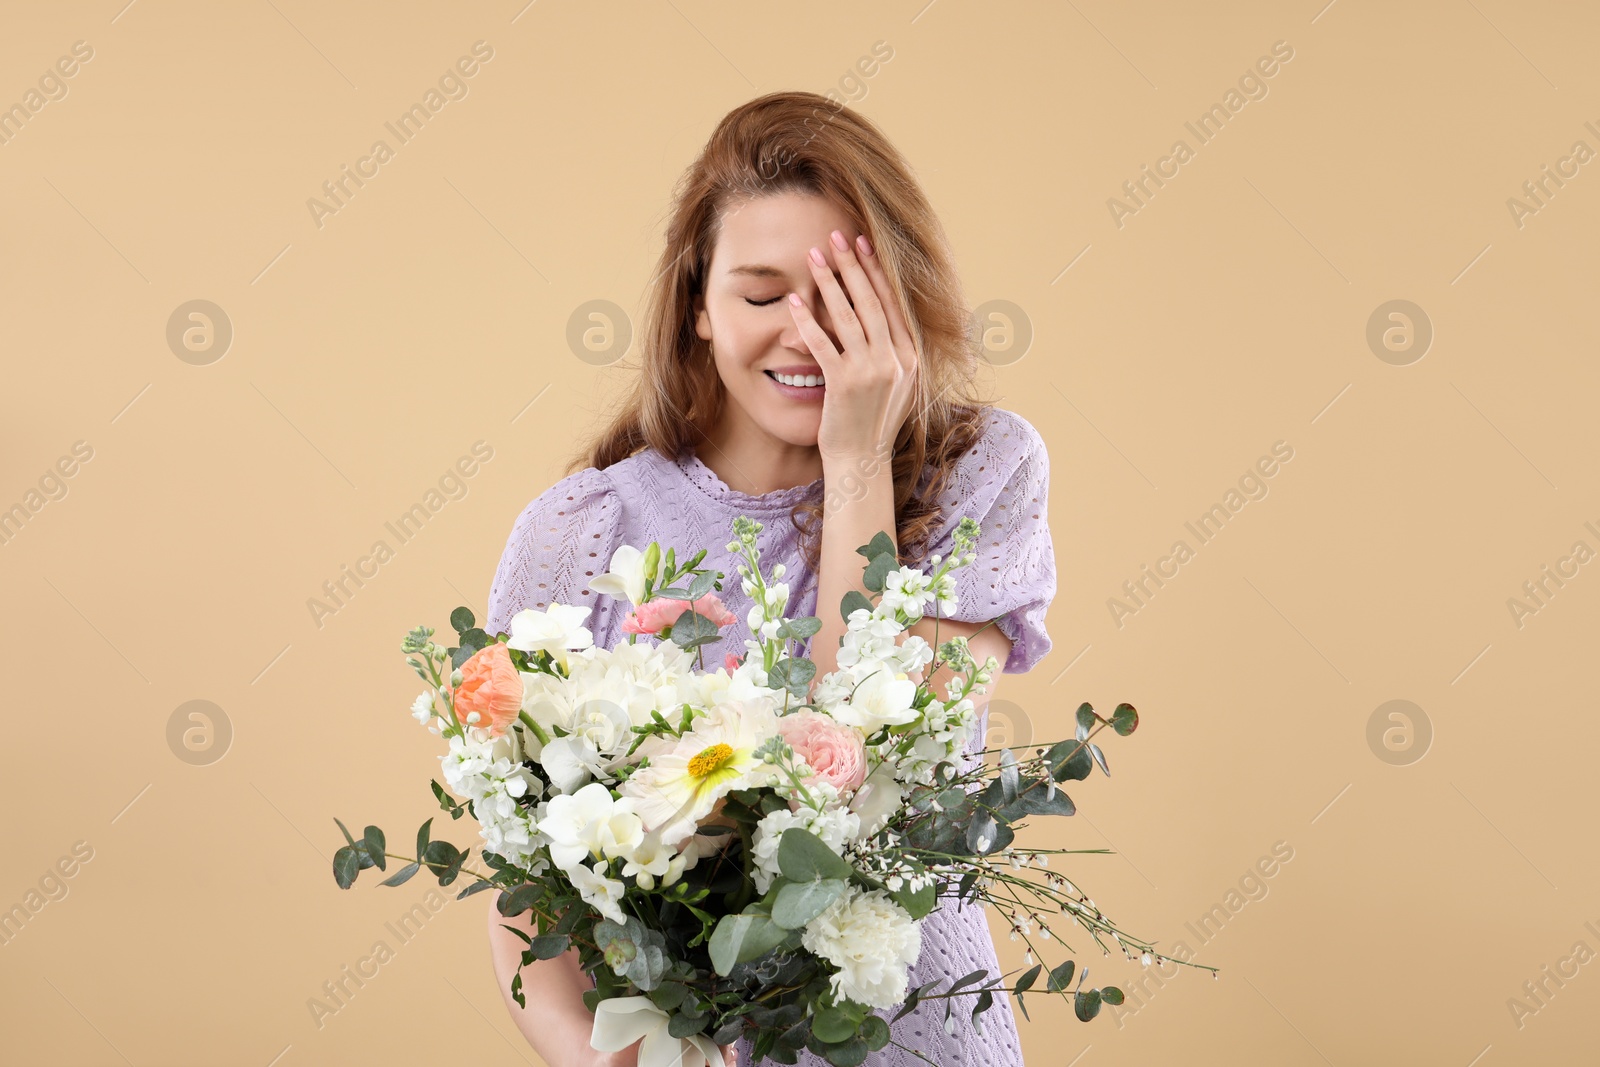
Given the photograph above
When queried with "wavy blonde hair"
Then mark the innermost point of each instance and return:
(802, 142)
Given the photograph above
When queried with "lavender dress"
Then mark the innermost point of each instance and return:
(567, 535)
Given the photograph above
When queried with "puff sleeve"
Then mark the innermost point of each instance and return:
(1003, 484)
(560, 541)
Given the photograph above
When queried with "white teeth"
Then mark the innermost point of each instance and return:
(799, 379)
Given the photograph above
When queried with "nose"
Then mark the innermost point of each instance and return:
(819, 310)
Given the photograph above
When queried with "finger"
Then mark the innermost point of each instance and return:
(812, 333)
(899, 331)
(864, 295)
(845, 321)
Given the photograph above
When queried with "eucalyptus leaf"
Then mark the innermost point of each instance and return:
(793, 675)
(1124, 721)
(403, 875)
(703, 583)
(1061, 977)
(373, 839)
(873, 576)
(692, 629)
(741, 937)
(1069, 761)
(1086, 1004)
(461, 619)
(800, 902)
(853, 601)
(549, 946)
(1099, 758)
(833, 1025)
(346, 864)
(881, 544)
(1086, 719)
(802, 857)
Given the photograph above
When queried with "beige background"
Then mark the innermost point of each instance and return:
(1230, 312)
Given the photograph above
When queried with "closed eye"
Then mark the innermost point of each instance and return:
(763, 303)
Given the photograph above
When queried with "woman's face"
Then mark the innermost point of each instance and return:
(759, 259)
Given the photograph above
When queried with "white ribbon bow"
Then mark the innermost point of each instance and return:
(621, 1021)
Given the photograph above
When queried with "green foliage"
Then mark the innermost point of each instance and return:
(852, 601)
(802, 857)
(798, 903)
(1125, 719)
(692, 629)
(633, 951)
(793, 675)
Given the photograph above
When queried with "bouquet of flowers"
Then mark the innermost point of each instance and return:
(741, 852)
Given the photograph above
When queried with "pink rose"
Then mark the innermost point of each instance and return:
(836, 753)
(731, 662)
(653, 616)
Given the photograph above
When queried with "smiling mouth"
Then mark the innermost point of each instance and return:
(797, 381)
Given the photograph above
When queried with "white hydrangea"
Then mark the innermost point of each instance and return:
(834, 825)
(872, 940)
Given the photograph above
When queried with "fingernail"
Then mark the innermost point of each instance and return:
(816, 257)
(794, 298)
(866, 245)
(839, 241)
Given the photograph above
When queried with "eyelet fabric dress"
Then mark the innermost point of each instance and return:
(566, 536)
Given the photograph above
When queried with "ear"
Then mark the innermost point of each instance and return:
(702, 321)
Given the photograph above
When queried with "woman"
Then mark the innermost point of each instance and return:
(818, 379)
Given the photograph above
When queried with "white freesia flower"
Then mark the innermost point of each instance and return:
(624, 577)
(590, 823)
(883, 698)
(649, 860)
(621, 1021)
(595, 888)
(558, 630)
(872, 940)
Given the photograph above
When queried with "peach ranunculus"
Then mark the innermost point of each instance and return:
(653, 616)
(836, 753)
(491, 686)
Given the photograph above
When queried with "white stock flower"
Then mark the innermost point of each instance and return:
(422, 707)
(905, 590)
(872, 940)
(624, 577)
(491, 775)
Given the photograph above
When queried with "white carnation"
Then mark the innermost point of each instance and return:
(872, 940)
